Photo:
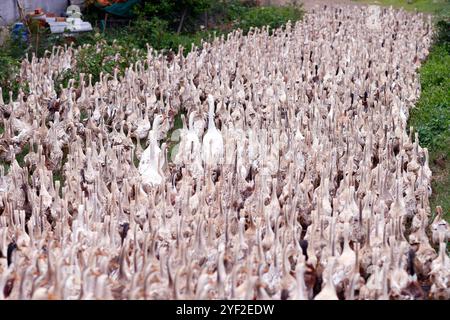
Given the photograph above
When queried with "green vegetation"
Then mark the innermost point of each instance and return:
(431, 116)
(11, 53)
(89, 60)
(429, 6)
(268, 16)
(21, 156)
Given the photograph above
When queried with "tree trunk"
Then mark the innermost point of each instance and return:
(182, 20)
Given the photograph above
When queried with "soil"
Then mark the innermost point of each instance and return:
(309, 4)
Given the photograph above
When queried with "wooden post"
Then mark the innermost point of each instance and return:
(182, 20)
(37, 39)
(106, 20)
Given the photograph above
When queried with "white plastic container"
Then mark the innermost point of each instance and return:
(60, 27)
(74, 21)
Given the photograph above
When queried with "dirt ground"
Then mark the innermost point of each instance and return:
(309, 4)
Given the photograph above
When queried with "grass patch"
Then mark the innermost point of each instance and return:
(274, 17)
(429, 6)
(20, 157)
(431, 115)
(11, 53)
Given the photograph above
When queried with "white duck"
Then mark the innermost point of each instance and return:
(212, 147)
(151, 163)
(190, 145)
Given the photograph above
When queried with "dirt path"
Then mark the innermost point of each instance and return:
(309, 4)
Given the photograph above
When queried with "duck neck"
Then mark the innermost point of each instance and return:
(268, 224)
(152, 145)
(442, 246)
(211, 124)
(301, 283)
(329, 283)
(346, 242)
(191, 121)
(241, 232)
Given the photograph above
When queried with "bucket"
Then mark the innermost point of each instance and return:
(19, 32)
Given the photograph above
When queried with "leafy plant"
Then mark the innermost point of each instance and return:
(432, 6)
(174, 12)
(274, 17)
(431, 115)
(11, 53)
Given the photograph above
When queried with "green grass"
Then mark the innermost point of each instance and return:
(20, 157)
(274, 17)
(429, 6)
(431, 116)
(431, 119)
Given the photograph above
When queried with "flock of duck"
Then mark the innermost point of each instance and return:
(292, 177)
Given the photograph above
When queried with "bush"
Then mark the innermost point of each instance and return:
(11, 53)
(9, 69)
(103, 57)
(442, 36)
(274, 17)
(174, 12)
